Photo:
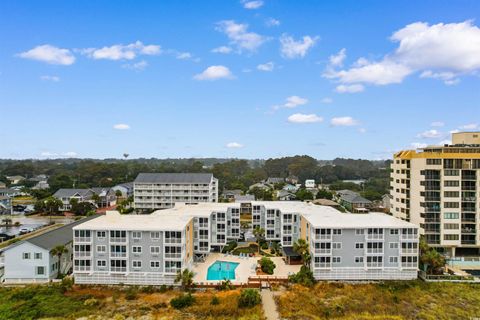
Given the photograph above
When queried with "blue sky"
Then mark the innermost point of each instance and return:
(247, 79)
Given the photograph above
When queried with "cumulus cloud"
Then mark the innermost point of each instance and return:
(49, 54)
(304, 118)
(222, 49)
(343, 121)
(50, 78)
(214, 73)
(269, 66)
(48, 154)
(430, 134)
(291, 48)
(294, 101)
(271, 22)
(470, 126)
(234, 145)
(326, 100)
(418, 145)
(421, 48)
(121, 126)
(240, 36)
(122, 52)
(336, 60)
(351, 88)
(252, 4)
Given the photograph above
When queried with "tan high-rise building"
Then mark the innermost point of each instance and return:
(438, 188)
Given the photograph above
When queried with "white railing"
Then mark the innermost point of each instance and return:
(375, 236)
(82, 239)
(288, 221)
(118, 240)
(323, 237)
(409, 251)
(375, 251)
(173, 255)
(323, 251)
(323, 265)
(118, 269)
(173, 240)
(171, 270)
(408, 236)
(203, 225)
(81, 268)
(203, 237)
(118, 254)
(83, 254)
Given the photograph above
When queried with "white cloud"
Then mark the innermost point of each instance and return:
(352, 88)
(437, 124)
(48, 154)
(418, 145)
(326, 100)
(122, 52)
(214, 73)
(362, 130)
(137, 66)
(271, 22)
(266, 66)
(49, 54)
(252, 4)
(421, 48)
(304, 118)
(445, 142)
(336, 60)
(121, 126)
(234, 145)
(70, 154)
(222, 49)
(239, 36)
(50, 78)
(454, 131)
(295, 101)
(343, 121)
(470, 126)
(291, 48)
(430, 134)
(184, 55)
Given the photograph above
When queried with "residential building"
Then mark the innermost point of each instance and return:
(232, 195)
(66, 195)
(310, 183)
(151, 249)
(154, 191)
(353, 201)
(15, 179)
(32, 260)
(9, 192)
(290, 188)
(125, 188)
(41, 185)
(3, 185)
(284, 195)
(437, 188)
(260, 185)
(106, 197)
(386, 200)
(274, 180)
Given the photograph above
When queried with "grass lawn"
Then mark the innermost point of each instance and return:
(389, 300)
(39, 302)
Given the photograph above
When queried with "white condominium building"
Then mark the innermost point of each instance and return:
(151, 249)
(154, 191)
(437, 188)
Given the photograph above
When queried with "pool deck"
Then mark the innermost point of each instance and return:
(244, 270)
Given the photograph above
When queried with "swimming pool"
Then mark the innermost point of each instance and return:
(221, 270)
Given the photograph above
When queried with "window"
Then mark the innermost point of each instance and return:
(450, 237)
(337, 245)
(137, 264)
(101, 263)
(434, 161)
(393, 259)
(359, 245)
(101, 234)
(38, 255)
(451, 205)
(101, 249)
(155, 250)
(26, 255)
(450, 215)
(393, 245)
(451, 194)
(137, 235)
(451, 226)
(337, 259)
(337, 231)
(393, 231)
(358, 259)
(359, 232)
(155, 236)
(154, 264)
(451, 183)
(40, 271)
(137, 249)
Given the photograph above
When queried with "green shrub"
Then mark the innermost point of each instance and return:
(267, 265)
(225, 285)
(131, 293)
(215, 301)
(230, 246)
(303, 277)
(163, 288)
(147, 289)
(249, 298)
(180, 302)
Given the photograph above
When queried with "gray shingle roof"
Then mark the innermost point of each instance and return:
(354, 198)
(174, 178)
(67, 193)
(55, 237)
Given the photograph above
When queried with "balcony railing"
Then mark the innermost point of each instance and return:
(323, 237)
(173, 255)
(118, 269)
(118, 254)
(82, 254)
(203, 237)
(323, 265)
(118, 240)
(323, 251)
(288, 221)
(203, 225)
(82, 239)
(375, 236)
(171, 270)
(82, 268)
(412, 236)
(173, 240)
(409, 251)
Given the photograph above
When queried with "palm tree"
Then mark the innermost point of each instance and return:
(276, 247)
(185, 277)
(259, 234)
(301, 247)
(59, 251)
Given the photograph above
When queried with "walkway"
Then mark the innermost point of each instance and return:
(269, 306)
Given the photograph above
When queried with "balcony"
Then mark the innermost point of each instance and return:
(409, 251)
(375, 236)
(203, 237)
(118, 269)
(118, 240)
(82, 254)
(82, 239)
(173, 255)
(82, 268)
(323, 251)
(118, 254)
(203, 225)
(322, 265)
(323, 237)
(173, 240)
(287, 220)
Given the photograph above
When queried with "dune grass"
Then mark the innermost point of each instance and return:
(389, 300)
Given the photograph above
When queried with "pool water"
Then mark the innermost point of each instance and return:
(221, 270)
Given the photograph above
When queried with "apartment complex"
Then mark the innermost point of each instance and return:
(437, 188)
(153, 191)
(151, 249)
